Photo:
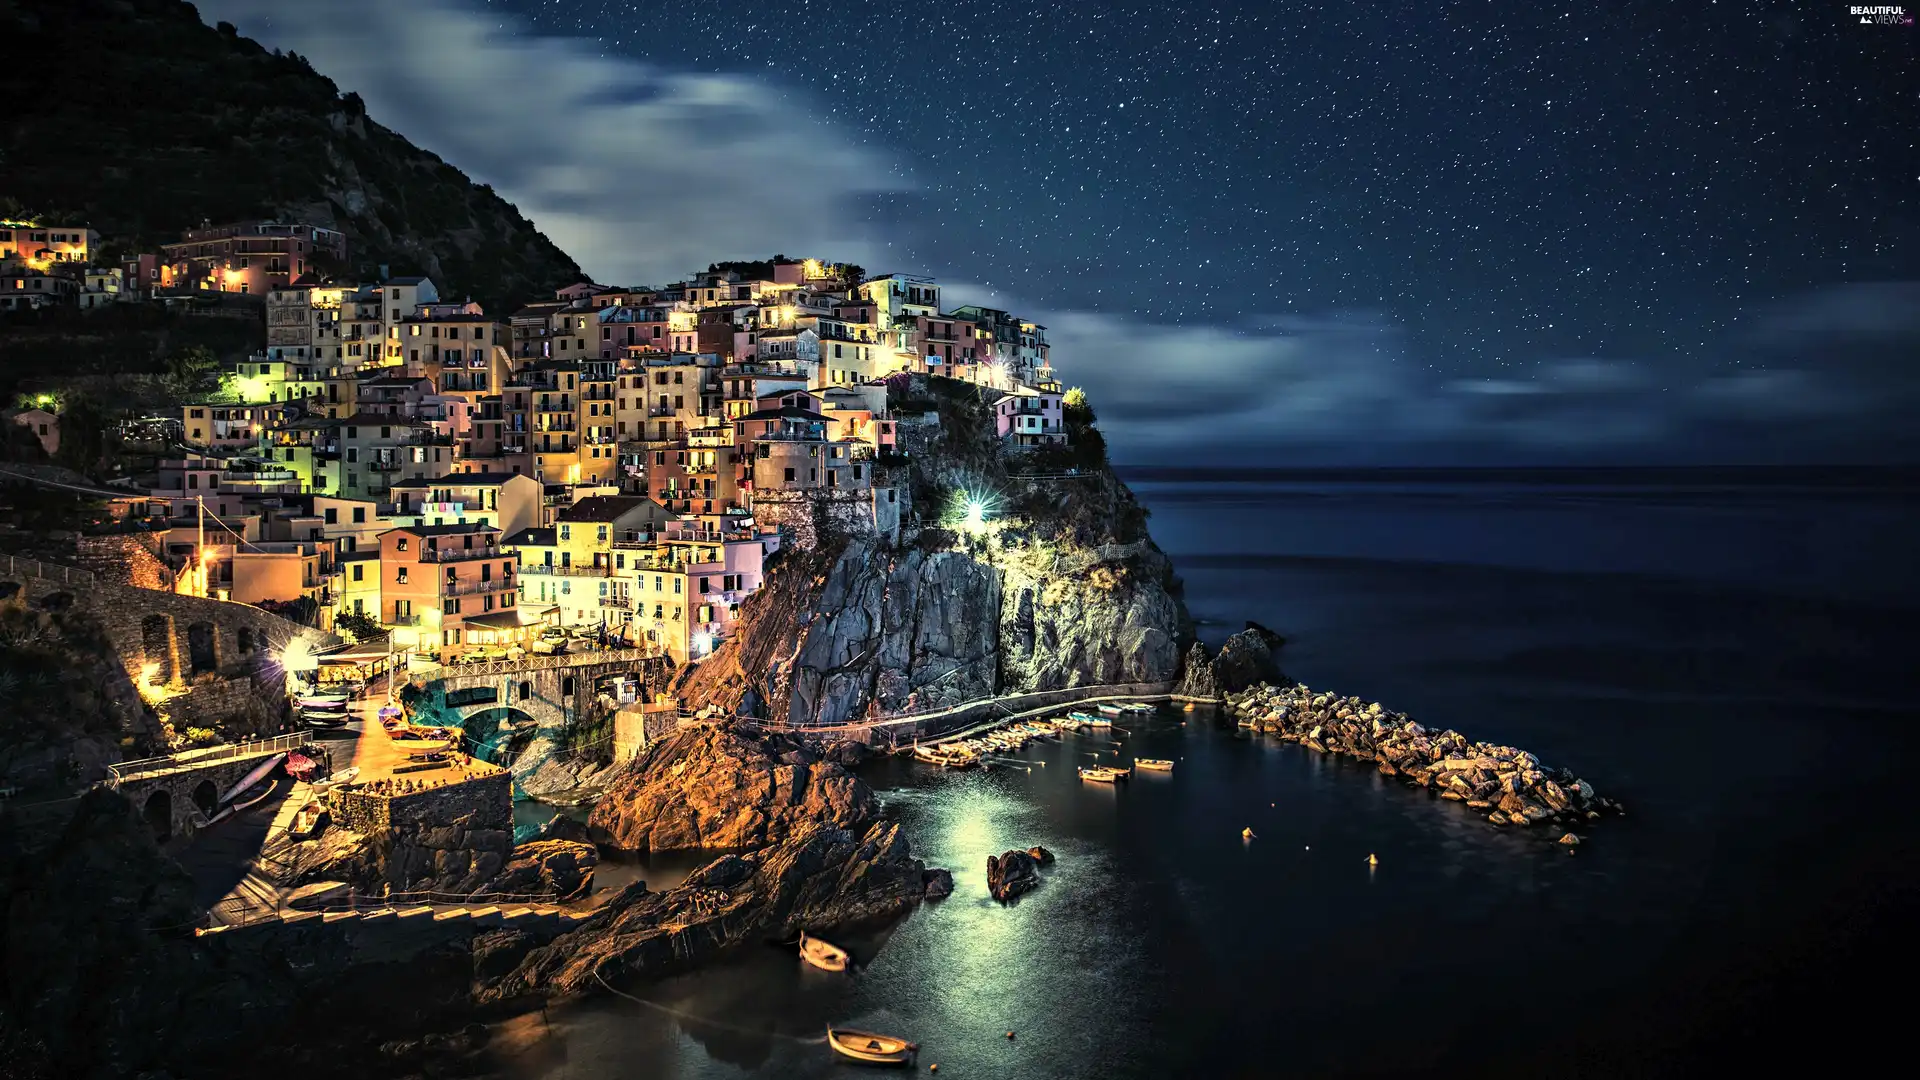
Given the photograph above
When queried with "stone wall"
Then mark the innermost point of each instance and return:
(164, 639)
(124, 560)
(450, 839)
(867, 513)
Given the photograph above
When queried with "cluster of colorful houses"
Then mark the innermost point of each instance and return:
(617, 463)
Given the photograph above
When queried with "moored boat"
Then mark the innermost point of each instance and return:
(1155, 764)
(820, 954)
(422, 748)
(1103, 774)
(1108, 709)
(952, 757)
(321, 701)
(252, 796)
(871, 1048)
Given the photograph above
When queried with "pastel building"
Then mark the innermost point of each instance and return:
(437, 577)
(1029, 417)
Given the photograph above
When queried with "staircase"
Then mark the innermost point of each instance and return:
(542, 917)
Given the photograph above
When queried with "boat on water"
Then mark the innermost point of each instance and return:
(1105, 774)
(1155, 764)
(871, 1048)
(323, 720)
(952, 757)
(820, 954)
(1109, 709)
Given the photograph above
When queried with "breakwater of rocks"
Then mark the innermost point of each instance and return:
(1510, 786)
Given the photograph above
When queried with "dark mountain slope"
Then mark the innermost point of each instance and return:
(140, 119)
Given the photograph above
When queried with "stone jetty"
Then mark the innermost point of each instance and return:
(1510, 786)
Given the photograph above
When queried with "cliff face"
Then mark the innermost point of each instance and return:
(179, 122)
(1065, 589)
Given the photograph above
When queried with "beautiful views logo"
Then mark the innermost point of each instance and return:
(1881, 15)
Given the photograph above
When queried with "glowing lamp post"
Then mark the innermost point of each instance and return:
(976, 515)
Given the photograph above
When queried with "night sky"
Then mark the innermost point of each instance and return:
(1381, 232)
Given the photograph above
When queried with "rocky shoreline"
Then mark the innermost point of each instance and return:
(1510, 786)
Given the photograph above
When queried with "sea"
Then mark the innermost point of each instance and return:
(1727, 652)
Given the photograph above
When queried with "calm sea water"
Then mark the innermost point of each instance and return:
(1728, 658)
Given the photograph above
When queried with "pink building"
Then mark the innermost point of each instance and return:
(1031, 417)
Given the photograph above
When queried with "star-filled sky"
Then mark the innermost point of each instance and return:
(1682, 230)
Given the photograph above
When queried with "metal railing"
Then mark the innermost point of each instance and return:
(124, 771)
(540, 663)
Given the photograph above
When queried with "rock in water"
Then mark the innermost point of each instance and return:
(1011, 874)
(1041, 855)
(1196, 675)
(939, 883)
(1246, 660)
(714, 789)
(817, 877)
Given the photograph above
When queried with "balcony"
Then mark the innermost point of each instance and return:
(387, 466)
(546, 570)
(468, 588)
(615, 602)
(460, 554)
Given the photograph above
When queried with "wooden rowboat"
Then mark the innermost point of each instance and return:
(822, 955)
(1156, 764)
(1102, 773)
(871, 1048)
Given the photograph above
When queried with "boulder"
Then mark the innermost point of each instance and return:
(1041, 855)
(562, 827)
(1011, 874)
(1196, 675)
(550, 867)
(938, 883)
(1245, 659)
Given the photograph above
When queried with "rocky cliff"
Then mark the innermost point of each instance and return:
(183, 123)
(710, 789)
(1059, 586)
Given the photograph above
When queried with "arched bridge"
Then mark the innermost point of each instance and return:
(170, 792)
(550, 691)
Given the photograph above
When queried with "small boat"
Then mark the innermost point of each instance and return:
(252, 796)
(1138, 707)
(952, 757)
(422, 748)
(322, 701)
(1246, 833)
(1112, 710)
(871, 1048)
(1155, 764)
(339, 779)
(822, 955)
(306, 820)
(323, 720)
(1104, 774)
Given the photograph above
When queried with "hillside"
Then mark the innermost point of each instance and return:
(140, 119)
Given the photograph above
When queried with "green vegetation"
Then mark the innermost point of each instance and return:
(360, 627)
(138, 119)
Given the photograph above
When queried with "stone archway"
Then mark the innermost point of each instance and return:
(203, 648)
(156, 641)
(206, 798)
(499, 733)
(157, 812)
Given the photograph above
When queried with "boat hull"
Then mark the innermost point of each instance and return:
(869, 1048)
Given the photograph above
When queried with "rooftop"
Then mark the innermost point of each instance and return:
(443, 530)
(473, 479)
(602, 508)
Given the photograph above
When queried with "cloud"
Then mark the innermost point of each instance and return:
(1834, 372)
(642, 174)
